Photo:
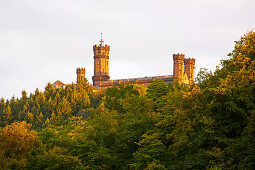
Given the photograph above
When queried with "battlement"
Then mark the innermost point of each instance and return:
(178, 56)
(101, 78)
(101, 63)
(101, 51)
(101, 47)
(183, 71)
(189, 61)
(80, 73)
(80, 70)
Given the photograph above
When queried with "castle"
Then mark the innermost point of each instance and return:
(183, 70)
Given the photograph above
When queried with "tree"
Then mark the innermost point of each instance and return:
(29, 117)
(24, 95)
(227, 100)
(7, 115)
(64, 108)
(49, 90)
(55, 158)
(202, 76)
(114, 96)
(151, 154)
(17, 141)
(156, 89)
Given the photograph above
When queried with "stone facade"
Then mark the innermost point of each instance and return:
(139, 81)
(101, 63)
(189, 65)
(80, 74)
(183, 70)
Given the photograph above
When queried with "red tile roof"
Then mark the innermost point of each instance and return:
(58, 84)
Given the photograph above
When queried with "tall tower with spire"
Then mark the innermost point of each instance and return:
(101, 63)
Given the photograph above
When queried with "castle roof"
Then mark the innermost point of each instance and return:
(58, 84)
(142, 78)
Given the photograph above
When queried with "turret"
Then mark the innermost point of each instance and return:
(178, 66)
(101, 63)
(80, 74)
(189, 65)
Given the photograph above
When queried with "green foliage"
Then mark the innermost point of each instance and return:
(73, 100)
(114, 96)
(156, 90)
(55, 158)
(209, 125)
(7, 116)
(17, 141)
(202, 76)
(151, 154)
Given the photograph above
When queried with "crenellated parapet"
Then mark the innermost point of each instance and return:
(178, 56)
(178, 66)
(80, 73)
(184, 68)
(101, 63)
(101, 51)
(80, 70)
(189, 65)
(189, 61)
(183, 71)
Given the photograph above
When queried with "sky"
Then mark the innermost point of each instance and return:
(43, 41)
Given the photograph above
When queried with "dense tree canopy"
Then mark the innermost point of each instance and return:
(207, 125)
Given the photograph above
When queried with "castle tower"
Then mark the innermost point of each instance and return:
(178, 66)
(101, 63)
(80, 74)
(189, 65)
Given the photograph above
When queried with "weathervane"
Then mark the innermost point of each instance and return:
(101, 42)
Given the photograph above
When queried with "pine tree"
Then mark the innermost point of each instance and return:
(7, 116)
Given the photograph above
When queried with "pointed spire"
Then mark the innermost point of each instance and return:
(101, 42)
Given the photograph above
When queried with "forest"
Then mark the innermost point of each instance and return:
(207, 125)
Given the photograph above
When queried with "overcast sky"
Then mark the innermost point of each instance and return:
(45, 40)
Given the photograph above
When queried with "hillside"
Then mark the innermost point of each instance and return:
(209, 125)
